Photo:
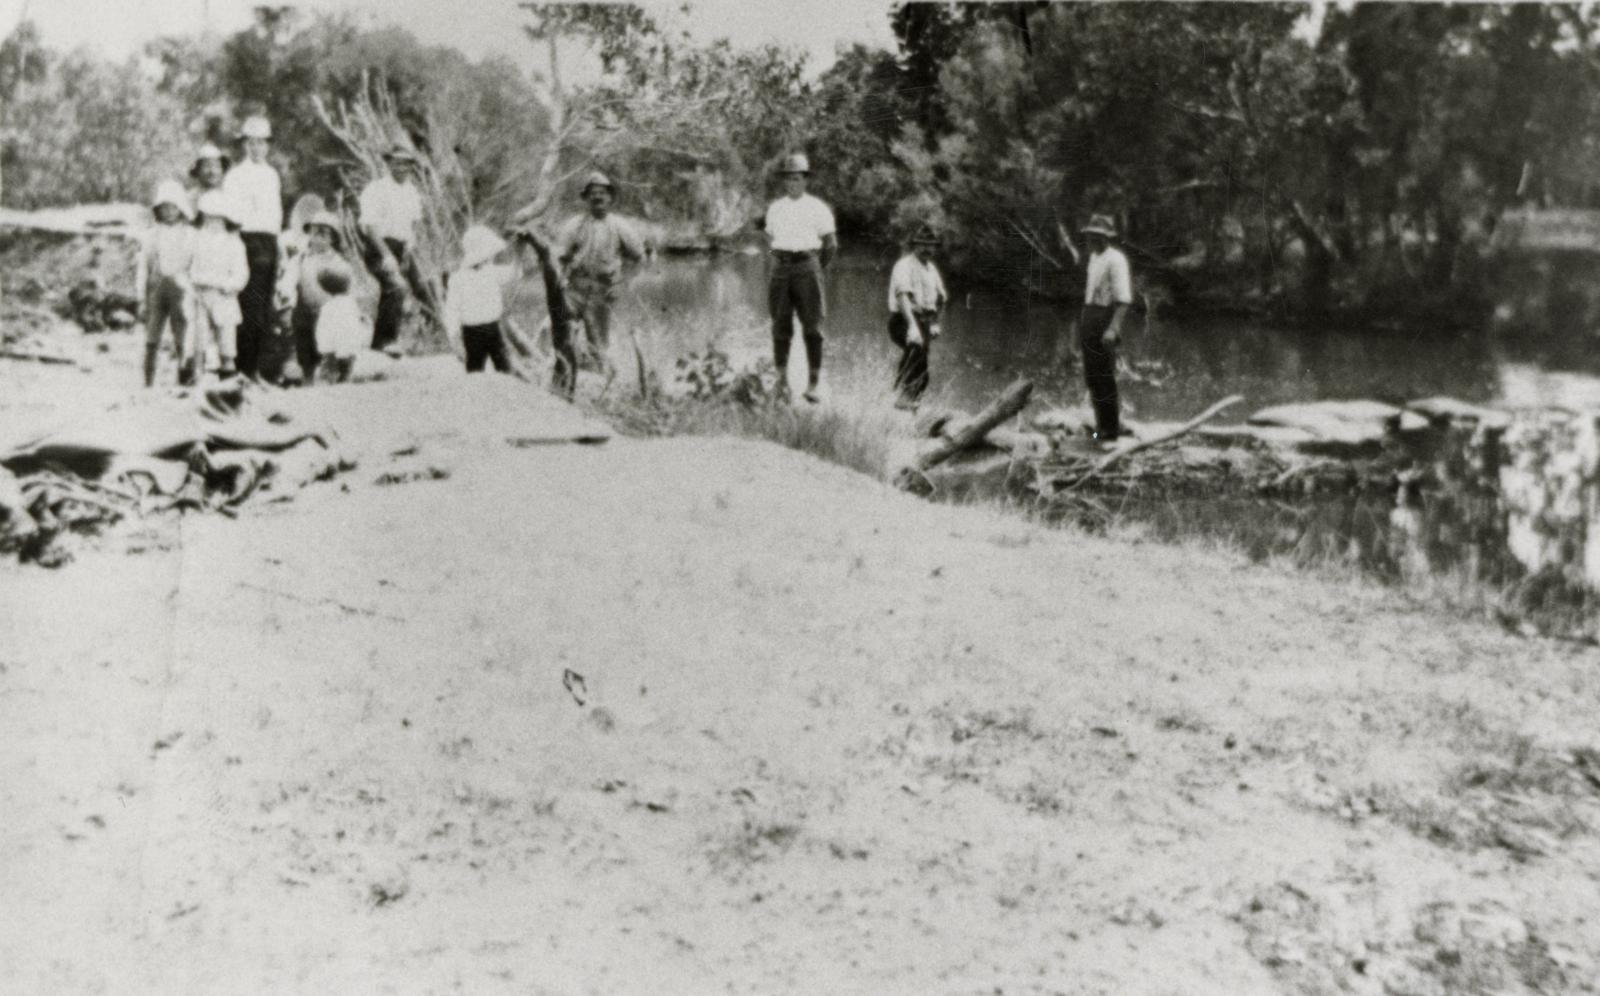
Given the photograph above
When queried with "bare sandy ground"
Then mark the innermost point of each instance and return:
(827, 739)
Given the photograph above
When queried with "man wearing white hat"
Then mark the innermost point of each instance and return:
(592, 249)
(391, 211)
(802, 234)
(256, 193)
(1107, 294)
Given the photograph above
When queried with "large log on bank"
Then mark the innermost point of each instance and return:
(1004, 407)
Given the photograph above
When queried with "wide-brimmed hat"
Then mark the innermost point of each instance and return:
(797, 163)
(480, 244)
(209, 151)
(171, 192)
(327, 220)
(400, 152)
(925, 235)
(215, 202)
(597, 179)
(255, 126)
(1100, 224)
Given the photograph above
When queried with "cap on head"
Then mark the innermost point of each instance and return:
(1100, 224)
(925, 235)
(796, 164)
(171, 192)
(479, 244)
(597, 179)
(255, 126)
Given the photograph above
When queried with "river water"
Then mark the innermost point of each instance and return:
(1176, 367)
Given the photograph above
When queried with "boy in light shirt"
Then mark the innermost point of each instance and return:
(218, 271)
(474, 305)
(162, 277)
(916, 296)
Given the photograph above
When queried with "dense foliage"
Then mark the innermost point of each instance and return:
(1246, 151)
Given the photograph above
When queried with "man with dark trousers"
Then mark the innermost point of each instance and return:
(802, 234)
(253, 187)
(1108, 292)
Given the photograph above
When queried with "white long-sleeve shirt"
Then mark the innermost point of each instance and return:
(1109, 281)
(475, 295)
(391, 209)
(219, 262)
(257, 195)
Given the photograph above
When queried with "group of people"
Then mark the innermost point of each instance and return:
(803, 238)
(218, 265)
(218, 272)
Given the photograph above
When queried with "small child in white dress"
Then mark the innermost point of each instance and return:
(342, 331)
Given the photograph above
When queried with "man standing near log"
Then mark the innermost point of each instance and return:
(592, 249)
(256, 194)
(1108, 292)
(801, 231)
(916, 297)
(391, 210)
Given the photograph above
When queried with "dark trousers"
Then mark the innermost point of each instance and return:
(1100, 368)
(796, 289)
(255, 301)
(911, 376)
(303, 324)
(485, 342)
(395, 286)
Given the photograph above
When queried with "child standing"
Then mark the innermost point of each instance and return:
(218, 272)
(342, 331)
(162, 277)
(321, 255)
(473, 302)
(916, 296)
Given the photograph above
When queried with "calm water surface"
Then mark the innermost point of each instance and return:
(1179, 366)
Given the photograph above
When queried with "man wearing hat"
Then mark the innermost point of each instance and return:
(256, 193)
(391, 210)
(916, 296)
(802, 234)
(209, 167)
(592, 249)
(1107, 294)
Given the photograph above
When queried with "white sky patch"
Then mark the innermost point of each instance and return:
(118, 28)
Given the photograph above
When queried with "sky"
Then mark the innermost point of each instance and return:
(477, 27)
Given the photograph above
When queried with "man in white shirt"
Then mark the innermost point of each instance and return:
(916, 296)
(592, 249)
(801, 231)
(1107, 294)
(391, 211)
(253, 188)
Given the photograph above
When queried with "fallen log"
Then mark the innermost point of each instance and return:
(1117, 456)
(1006, 406)
(33, 357)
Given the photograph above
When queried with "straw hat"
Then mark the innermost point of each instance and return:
(209, 151)
(326, 220)
(597, 179)
(479, 245)
(1100, 224)
(797, 163)
(255, 126)
(171, 192)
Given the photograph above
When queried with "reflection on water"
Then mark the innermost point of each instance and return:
(993, 336)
